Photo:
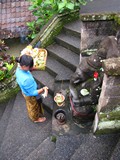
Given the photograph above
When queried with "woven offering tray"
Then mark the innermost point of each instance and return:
(59, 99)
(40, 57)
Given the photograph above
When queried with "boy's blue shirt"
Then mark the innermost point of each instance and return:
(26, 82)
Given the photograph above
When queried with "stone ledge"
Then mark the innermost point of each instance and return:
(112, 66)
(99, 16)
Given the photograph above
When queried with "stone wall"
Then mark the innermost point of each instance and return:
(13, 18)
(95, 27)
(107, 119)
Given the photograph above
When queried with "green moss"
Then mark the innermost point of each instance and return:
(8, 93)
(98, 16)
(53, 139)
(53, 27)
(117, 19)
(101, 16)
(108, 127)
(8, 87)
(113, 115)
(50, 34)
(88, 52)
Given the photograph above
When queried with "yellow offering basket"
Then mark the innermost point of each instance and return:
(40, 57)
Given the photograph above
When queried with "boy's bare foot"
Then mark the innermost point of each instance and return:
(41, 119)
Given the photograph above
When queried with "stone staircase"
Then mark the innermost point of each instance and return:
(21, 139)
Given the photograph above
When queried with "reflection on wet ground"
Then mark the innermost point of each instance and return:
(15, 46)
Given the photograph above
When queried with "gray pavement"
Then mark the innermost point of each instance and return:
(98, 6)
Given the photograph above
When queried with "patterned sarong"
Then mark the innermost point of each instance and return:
(35, 109)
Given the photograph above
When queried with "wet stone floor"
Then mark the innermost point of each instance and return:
(15, 46)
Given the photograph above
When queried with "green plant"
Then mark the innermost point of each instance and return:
(53, 138)
(43, 10)
(6, 61)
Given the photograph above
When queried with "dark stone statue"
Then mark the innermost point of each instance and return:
(85, 83)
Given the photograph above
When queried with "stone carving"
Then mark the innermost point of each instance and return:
(85, 83)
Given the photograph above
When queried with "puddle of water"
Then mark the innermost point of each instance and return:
(15, 46)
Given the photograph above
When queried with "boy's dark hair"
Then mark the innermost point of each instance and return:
(25, 60)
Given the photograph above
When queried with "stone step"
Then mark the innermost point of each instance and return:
(73, 28)
(32, 143)
(61, 85)
(48, 103)
(65, 147)
(64, 56)
(45, 79)
(5, 118)
(116, 152)
(20, 129)
(99, 147)
(62, 72)
(43, 151)
(69, 41)
(2, 108)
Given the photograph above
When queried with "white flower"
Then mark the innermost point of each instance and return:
(84, 92)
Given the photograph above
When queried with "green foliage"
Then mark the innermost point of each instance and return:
(6, 61)
(117, 19)
(43, 10)
(32, 28)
